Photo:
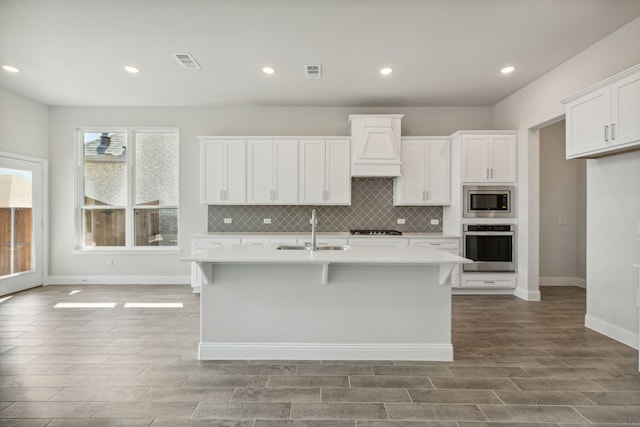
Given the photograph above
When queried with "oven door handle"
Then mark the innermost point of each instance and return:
(488, 233)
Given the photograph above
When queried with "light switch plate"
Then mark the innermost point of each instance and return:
(228, 220)
(267, 221)
(400, 220)
(435, 222)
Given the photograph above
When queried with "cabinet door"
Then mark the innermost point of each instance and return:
(235, 168)
(212, 172)
(437, 174)
(337, 172)
(410, 188)
(474, 159)
(222, 172)
(502, 158)
(312, 170)
(285, 172)
(625, 110)
(588, 123)
(259, 172)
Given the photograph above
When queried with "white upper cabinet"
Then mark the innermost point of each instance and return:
(272, 172)
(604, 118)
(425, 180)
(489, 158)
(222, 171)
(324, 172)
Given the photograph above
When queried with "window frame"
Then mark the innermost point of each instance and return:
(131, 207)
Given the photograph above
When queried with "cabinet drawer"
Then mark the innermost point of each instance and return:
(391, 241)
(438, 244)
(212, 243)
(489, 282)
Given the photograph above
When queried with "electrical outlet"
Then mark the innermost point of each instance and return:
(562, 221)
(435, 221)
(228, 220)
(400, 220)
(266, 221)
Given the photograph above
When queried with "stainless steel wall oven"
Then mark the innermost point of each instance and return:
(492, 247)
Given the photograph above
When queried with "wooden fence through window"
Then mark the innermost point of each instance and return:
(15, 240)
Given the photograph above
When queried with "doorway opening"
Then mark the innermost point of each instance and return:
(562, 212)
(21, 224)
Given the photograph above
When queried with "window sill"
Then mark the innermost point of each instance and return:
(126, 251)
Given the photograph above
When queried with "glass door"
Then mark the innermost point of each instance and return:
(21, 231)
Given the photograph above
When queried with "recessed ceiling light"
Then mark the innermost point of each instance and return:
(11, 69)
(508, 70)
(132, 69)
(386, 71)
(268, 70)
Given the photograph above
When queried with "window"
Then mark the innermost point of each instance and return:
(129, 188)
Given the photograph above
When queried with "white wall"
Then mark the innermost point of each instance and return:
(613, 245)
(561, 181)
(24, 126)
(532, 107)
(69, 266)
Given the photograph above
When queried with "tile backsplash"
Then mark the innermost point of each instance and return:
(371, 208)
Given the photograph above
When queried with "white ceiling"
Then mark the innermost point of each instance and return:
(444, 52)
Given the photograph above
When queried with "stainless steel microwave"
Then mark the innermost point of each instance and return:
(489, 201)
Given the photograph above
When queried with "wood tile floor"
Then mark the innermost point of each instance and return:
(517, 364)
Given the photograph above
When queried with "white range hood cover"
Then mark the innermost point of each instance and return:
(375, 145)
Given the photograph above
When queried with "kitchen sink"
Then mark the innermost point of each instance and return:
(291, 248)
(334, 248)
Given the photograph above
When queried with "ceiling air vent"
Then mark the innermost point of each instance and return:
(313, 71)
(186, 60)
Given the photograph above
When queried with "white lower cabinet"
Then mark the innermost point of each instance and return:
(488, 281)
(393, 241)
(269, 241)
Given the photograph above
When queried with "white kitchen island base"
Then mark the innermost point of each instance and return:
(366, 310)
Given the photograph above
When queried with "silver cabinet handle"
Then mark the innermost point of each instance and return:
(226, 195)
(487, 173)
(326, 195)
(491, 173)
(613, 131)
(606, 133)
(489, 281)
(221, 194)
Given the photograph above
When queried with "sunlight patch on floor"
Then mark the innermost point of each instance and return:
(153, 305)
(85, 305)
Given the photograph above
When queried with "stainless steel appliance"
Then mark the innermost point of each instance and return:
(489, 201)
(491, 247)
(376, 232)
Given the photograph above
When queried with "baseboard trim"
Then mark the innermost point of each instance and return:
(527, 295)
(118, 280)
(323, 351)
(563, 281)
(484, 291)
(612, 331)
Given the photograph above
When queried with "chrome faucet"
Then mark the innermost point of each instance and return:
(314, 222)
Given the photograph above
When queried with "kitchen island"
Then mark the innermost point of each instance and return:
(365, 303)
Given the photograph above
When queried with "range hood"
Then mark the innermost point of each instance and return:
(375, 145)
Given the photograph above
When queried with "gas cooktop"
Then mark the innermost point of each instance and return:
(376, 232)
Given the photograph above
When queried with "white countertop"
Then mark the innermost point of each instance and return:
(344, 234)
(359, 254)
